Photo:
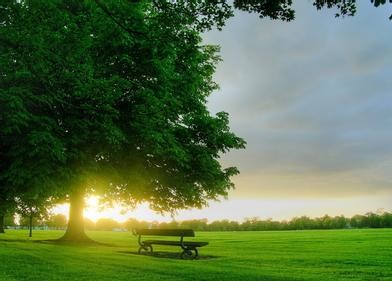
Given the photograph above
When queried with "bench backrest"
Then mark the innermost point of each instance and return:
(165, 232)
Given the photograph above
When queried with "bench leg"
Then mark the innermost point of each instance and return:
(189, 253)
(145, 248)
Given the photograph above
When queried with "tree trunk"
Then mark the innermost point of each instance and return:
(31, 225)
(75, 230)
(2, 224)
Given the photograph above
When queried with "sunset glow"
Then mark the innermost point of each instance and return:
(241, 208)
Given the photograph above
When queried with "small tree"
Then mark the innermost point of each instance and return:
(34, 209)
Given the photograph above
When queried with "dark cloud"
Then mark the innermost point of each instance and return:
(313, 100)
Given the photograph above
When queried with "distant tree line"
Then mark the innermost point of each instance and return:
(41, 221)
(369, 220)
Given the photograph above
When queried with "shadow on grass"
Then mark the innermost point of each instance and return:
(168, 255)
(62, 242)
(57, 242)
(15, 240)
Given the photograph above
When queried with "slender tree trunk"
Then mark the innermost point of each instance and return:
(2, 224)
(75, 230)
(31, 225)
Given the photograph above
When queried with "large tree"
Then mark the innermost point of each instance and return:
(110, 97)
(117, 93)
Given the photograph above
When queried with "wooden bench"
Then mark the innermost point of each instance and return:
(189, 248)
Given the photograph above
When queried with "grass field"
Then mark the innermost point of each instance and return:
(292, 255)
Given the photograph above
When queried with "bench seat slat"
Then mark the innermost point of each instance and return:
(175, 243)
(165, 232)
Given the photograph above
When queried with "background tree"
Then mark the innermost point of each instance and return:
(89, 224)
(194, 224)
(6, 206)
(32, 209)
(106, 224)
(386, 220)
(134, 223)
(57, 221)
(10, 220)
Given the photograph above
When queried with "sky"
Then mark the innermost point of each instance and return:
(312, 98)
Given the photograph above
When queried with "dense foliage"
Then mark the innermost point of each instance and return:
(110, 98)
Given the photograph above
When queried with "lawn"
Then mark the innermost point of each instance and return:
(287, 255)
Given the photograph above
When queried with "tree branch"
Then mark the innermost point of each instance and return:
(116, 21)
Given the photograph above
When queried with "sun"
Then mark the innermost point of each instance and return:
(93, 211)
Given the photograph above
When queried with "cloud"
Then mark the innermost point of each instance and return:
(312, 99)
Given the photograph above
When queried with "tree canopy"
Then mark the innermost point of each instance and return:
(103, 108)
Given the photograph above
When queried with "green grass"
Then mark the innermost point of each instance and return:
(292, 255)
